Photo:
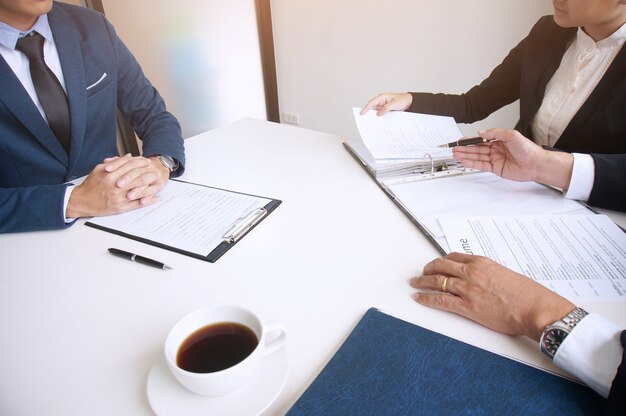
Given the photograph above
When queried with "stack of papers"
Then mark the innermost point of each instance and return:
(399, 136)
(401, 146)
(525, 226)
(581, 257)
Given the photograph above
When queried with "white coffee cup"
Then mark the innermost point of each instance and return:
(271, 336)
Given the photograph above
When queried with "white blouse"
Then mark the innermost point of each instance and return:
(583, 65)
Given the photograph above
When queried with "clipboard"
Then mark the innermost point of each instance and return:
(446, 188)
(196, 220)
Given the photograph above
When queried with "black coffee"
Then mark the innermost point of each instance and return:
(216, 347)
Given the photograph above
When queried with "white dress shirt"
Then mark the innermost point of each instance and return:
(582, 66)
(592, 352)
(583, 176)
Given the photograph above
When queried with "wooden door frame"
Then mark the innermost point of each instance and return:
(268, 60)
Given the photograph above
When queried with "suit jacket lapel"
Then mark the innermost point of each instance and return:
(68, 45)
(17, 100)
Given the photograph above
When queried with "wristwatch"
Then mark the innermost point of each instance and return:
(554, 335)
(168, 162)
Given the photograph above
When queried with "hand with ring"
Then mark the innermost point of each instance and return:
(492, 295)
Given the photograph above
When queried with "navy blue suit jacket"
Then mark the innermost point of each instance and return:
(100, 75)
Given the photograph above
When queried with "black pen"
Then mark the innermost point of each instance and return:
(466, 142)
(139, 259)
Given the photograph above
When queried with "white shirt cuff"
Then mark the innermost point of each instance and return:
(583, 175)
(592, 352)
(68, 193)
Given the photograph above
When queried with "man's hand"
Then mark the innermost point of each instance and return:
(119, 184)
(490, 294)
(383, 103)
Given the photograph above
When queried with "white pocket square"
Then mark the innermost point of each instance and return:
(97, 82)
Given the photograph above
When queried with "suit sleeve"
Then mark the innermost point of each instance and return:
(609, 186)
(32, 208)
(144, 108)
(616, 402)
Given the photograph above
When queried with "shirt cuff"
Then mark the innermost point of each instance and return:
(592, 352)
(68, 193)
(583, 175)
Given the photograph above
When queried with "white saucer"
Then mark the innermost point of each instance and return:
(168, 397)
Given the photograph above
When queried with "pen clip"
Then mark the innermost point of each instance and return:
(243, 224)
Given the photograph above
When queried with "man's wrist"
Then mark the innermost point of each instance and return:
(66, 200)
(168, 167)
(72, 209)
(169, 162)
(548, 313)
(555, 334)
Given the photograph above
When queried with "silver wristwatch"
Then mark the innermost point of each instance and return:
(554, 335)
(168, 162)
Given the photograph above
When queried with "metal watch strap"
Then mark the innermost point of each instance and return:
(554, 334)
(169, 162)
(574, 317)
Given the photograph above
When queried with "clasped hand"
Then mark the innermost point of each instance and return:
(118, 184)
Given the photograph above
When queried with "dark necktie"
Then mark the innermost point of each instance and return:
(48, 88)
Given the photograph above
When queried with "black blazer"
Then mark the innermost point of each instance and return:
(609, 185)
(598, 127)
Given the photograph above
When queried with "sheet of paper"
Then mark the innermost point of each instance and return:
(404, 135)
(189, 217)
(581, 257)
(477, 194)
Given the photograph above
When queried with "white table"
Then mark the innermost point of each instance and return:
(81, 328)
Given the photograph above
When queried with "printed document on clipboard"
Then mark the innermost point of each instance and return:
(435, 186)
(192, 219)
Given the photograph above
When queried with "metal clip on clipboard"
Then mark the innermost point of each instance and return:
(243, 225)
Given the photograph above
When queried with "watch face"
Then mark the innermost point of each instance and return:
(168, 162)
(553, 339)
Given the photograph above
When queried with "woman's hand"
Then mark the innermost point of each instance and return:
(512, 156)
(383, 103)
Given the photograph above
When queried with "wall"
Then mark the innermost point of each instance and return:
(334, 55)
(202, 55)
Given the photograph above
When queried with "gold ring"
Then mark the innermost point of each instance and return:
(444, 284)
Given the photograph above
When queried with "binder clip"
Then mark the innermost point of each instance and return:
(432, 163)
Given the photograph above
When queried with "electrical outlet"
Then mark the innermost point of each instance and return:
(291, 118)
